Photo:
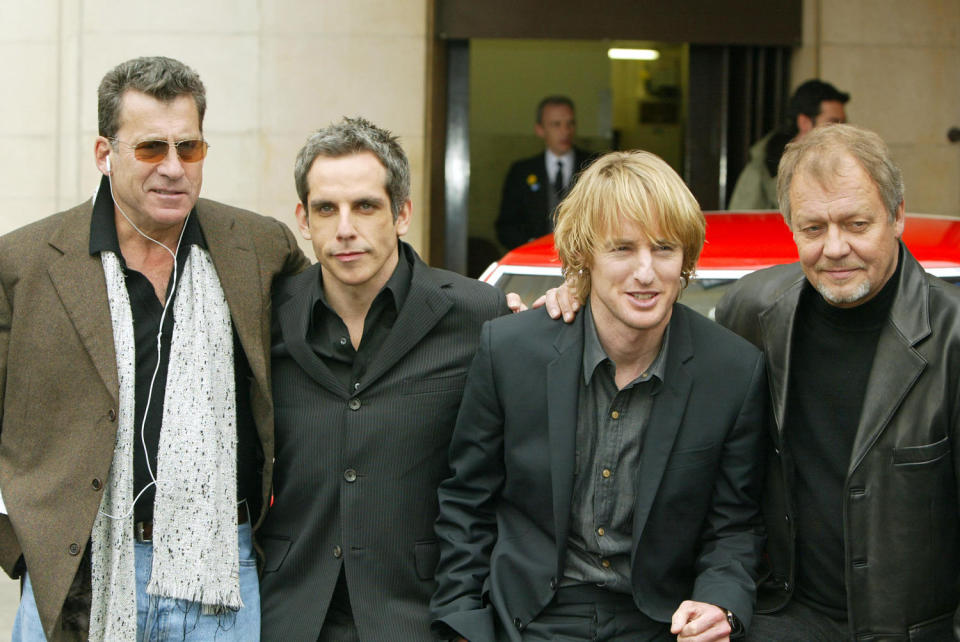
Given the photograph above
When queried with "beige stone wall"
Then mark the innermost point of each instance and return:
(274, 72)
(900, 60)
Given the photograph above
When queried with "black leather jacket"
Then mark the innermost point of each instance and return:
(901, 513)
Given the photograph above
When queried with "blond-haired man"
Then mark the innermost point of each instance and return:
(604, 478)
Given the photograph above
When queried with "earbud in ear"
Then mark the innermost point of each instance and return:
(108, 163)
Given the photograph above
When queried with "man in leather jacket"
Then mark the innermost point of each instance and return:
(863, 354)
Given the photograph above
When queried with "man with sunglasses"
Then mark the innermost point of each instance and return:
(137, 423)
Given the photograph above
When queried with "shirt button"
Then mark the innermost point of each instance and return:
(356, 386)
(517, 622)
(350, 475)
(553, 584)
(343, 341)
(337, 552)
(74, 549)
(606, 473)
(97, 484)
(354, 404)
(112, 414)
(605, 563)
(601, 532)
(615, 414)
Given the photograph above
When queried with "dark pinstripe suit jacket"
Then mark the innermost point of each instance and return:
(357, 471)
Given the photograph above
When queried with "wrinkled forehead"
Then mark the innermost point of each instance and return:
(829, 167)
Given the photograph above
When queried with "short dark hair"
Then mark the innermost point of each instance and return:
(807, 98)
(162, 78)
(354, 136)
(557, 99)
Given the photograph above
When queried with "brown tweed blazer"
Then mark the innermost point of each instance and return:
(58, 377)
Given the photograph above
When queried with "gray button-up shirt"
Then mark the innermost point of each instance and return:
(609, 441)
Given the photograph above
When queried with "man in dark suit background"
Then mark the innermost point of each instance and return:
(535, 186)
(606, 473)
(370, 353)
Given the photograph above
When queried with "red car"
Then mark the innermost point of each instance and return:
(737, 243)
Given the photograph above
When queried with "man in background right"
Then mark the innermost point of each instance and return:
(814, 103)
(863, 355)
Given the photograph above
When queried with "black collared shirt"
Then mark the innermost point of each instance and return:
(327, 334)
(610, 428)
(147, 311)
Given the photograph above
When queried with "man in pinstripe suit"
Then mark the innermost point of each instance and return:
(370, 353)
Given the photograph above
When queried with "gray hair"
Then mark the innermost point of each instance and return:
(353, 136)
(820, 152)
(162, 78)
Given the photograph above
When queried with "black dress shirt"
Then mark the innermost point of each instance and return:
(610, 429)
(328, 337)
(147, 311)
(327, 334)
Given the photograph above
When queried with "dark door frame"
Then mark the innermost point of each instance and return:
(739, 77)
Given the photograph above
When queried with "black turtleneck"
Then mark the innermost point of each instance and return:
(832, 355)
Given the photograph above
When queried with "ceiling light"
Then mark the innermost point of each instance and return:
(633, 54)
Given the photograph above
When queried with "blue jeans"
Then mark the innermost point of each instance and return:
(160, 618)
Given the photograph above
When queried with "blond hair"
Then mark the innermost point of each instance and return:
(625, 186)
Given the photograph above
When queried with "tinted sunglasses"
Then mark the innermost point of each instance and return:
(154, 151)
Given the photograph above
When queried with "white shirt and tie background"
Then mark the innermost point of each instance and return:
(559, 173)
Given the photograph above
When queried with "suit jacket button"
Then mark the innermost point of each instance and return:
(354, 404)
(517, 622)
(337, 552)
(553, 584)
(350, 475)
(74, 549)
(112, 414)
(97, 484)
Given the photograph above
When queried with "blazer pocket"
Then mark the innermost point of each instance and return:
(426, 556)
(921, 455)
(275, 550)
(690, 457)
(415, 386)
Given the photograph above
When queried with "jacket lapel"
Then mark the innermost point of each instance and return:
(426, 304)
(293, 316)
(78, 279)
(666, 415)
(896, 365)
(563, 386)
(237, 268)
(776, 328)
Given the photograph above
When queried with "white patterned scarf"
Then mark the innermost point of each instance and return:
(195, 553)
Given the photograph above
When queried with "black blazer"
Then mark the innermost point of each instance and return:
(504, 514)
(524, 206)
(357, 471)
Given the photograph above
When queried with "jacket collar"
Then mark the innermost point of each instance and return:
(425, 305)
(896, 365)
(78, 278)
